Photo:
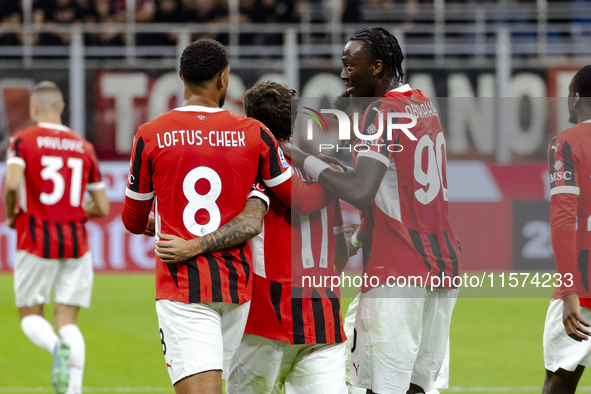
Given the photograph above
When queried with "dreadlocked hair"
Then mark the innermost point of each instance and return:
(382, 45)
(582, 83)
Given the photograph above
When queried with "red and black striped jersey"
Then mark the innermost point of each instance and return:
(409, 233)
(291, 254)
(569, 164)
(59, 166)
(200, 164)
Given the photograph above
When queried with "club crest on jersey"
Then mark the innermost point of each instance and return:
(201, 117)
(284, 162)
(557, 165)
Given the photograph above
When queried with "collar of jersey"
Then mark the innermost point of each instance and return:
(401, 89)
(53, 126)
(587, 121)
(198, 108)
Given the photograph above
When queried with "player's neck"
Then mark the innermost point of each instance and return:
(201, 98)
(49, 118)
(385, 86)
(584, 115)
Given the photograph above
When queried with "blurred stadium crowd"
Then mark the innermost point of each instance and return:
(65, 12)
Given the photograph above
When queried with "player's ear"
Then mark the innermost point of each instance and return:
(577, 100)
(377, 68)
(181, 75)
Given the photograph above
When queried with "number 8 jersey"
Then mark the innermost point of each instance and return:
(200, 164)
(59, 166)
(409, 233)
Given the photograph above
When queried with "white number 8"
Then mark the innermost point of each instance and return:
(202, 201)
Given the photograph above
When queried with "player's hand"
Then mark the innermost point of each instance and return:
(293, 153)
(349, 230)
(333, 162)
(571, 317)
(151, 230)
(11, 222)
(172, 249)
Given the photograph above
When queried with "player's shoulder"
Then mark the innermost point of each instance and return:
(578, 134)
(27, 132)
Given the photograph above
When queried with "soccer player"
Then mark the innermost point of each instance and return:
(49, 168)
(401, 334)
(567, 349)
(199, 163)
(294, 340)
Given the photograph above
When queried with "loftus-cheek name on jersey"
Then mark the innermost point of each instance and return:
(558, 176)
(198, 137)
(60, 144)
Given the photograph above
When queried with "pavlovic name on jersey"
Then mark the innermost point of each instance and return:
(60, 144)
(214, 138)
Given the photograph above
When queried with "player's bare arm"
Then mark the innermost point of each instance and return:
(248, 224)
(98, 205)
(14, 175)
(358, 187)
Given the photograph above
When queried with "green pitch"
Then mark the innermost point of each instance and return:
(496, 344)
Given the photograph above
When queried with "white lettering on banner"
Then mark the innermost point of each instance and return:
(165, 88)
(527, 138)
(469, 117)
(140, 248)
(114, 175)
(124, 88)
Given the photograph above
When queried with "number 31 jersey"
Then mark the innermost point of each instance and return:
(59, 166)
(409, 233)
(200, 164)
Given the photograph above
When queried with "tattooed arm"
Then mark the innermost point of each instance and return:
(248, 224)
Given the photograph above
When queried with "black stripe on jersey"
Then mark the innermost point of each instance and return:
(419, 247)
(275, 294)
(551, 161)
(17, 152)
(453, 256)
(232, 277)
(61, 244)
(32, 229)
(151, 173)
(137, 165)
(46, 240)
(245, 265)
(172, 267)
(297, 313)
(459, 246)
(75, 251)
(367, 244)
(336, 309)
(193, 278)
(436, 248)
(216, 280)
(274, 165)
(318, 311)
(583, 260)
(568, 163)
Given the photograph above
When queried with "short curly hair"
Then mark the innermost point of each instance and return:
(270, 103)
(202, 60)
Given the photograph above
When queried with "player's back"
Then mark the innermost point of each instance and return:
(409, 214)
(292, 257)
(59, 166)
(203, 162)
(200, 163)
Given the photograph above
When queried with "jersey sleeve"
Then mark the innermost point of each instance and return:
(273, 167)
(16, 151)
(259, 191)
(563, 168)
(139, 182)
(373, 122)
(278, 176)
(564, 190)
(95, 180)
(140, 190)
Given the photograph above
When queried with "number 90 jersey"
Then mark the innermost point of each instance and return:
(200, 164)
(59, 166)
(409, 233)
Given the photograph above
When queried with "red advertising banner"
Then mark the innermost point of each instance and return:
(500, 214)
